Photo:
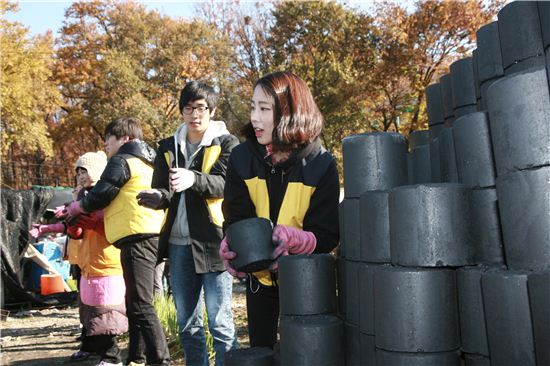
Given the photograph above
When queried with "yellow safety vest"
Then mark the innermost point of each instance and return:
(293, 209)
(210, 156)
(124, 217)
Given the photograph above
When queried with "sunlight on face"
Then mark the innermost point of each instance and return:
(262, 115)
(197, 122)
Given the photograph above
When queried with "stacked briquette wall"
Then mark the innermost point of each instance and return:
(445, 251)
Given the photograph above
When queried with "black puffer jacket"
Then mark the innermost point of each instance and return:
(117, 174)
(311, 167)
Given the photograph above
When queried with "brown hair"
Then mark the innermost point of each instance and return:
(124, 126)
(297, 118)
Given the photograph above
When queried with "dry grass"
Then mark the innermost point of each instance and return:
(164, 306)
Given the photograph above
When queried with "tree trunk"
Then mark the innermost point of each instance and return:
(414, 120)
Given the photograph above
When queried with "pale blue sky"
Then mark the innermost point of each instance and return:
(41, 15)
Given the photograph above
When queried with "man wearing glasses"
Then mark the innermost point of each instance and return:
(188, 180)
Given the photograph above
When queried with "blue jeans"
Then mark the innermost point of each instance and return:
(187, 288)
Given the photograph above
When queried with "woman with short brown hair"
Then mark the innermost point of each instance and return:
(298, 119)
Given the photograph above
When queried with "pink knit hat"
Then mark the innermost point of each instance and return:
(94, 163)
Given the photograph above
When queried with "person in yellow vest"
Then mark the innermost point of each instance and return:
(281, 173)
(189, 180)
(101, 306)
(132, 228)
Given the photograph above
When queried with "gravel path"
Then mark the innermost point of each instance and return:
(48, 336)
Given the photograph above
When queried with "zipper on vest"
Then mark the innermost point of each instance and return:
(273, 171)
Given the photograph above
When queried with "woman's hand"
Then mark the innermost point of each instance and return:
(92, 221)
(290, 240)
(38, 229)
(226, 255)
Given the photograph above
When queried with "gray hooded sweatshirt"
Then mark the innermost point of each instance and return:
(179, 234)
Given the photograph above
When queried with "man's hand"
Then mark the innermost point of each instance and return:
(70, 212)
(150, 198)
(181, 179)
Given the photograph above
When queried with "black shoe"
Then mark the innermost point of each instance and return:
(79, 356)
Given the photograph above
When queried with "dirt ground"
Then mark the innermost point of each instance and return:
(45, 337)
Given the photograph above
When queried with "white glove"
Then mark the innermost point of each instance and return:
(181, 179)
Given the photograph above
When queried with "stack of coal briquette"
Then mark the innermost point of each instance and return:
(445, 238)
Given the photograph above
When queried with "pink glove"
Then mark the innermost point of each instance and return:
(58, 211)
(92, 221)
(292, 240)
(74, 232)
(37, 229)
(71, 211)
(226, 255)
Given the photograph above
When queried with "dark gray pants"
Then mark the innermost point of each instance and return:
(147, 340)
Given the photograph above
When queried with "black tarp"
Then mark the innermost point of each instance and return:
(20, 209)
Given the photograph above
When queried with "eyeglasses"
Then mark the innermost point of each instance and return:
(189, 110)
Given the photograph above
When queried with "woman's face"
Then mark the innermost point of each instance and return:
(262, 115)
(83, 178)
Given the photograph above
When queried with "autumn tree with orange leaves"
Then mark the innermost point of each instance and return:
(119, 59)
(331, 48)
(246, 26)
(415, 48)
(367, 71)
(28, 99)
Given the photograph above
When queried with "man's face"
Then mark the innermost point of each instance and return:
(112, 144)
(197, 115)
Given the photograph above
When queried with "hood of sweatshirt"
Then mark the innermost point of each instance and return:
(215, 129)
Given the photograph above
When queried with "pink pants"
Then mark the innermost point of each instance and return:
(108, 290)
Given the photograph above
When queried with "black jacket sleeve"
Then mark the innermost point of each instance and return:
(322, 215)
(160, 179)
(211, 185)
(115, 175)
(237, 204)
